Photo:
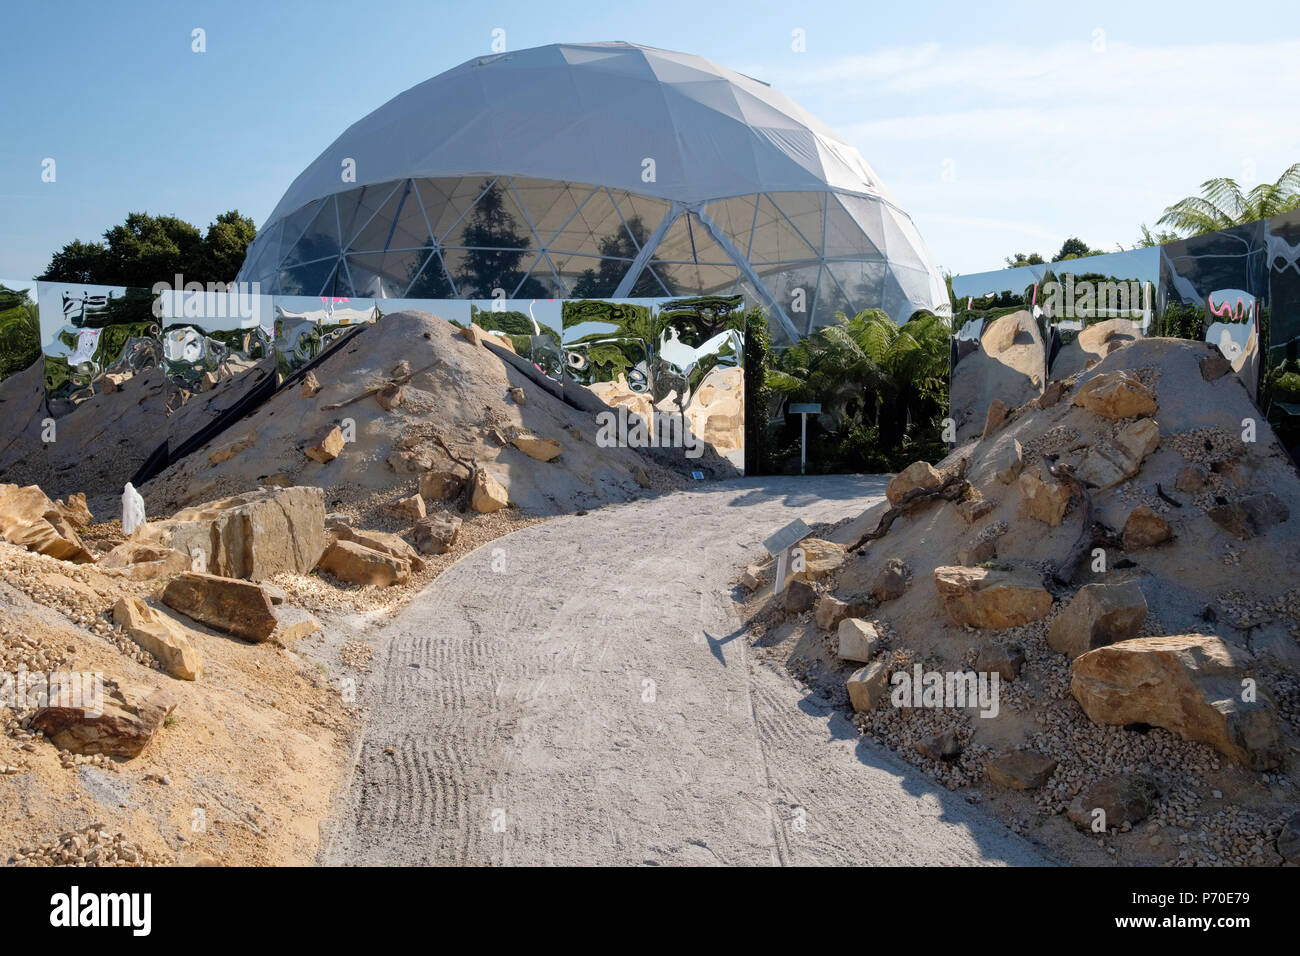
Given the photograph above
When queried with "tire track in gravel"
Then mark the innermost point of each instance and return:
(594, 701)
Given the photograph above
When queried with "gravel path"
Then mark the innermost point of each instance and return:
(579, 692)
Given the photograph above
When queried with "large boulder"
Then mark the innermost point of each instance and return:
(868, 686)
(891, 583)
(1117, 394)
(441, 484)
(437, 533)
(859, 640)
(1098, 615)
(31, 520)
(326, 445)
(382, 541)
(75, 509)
(831, 611)
(253, 535)
(1009, 462)
(139, 561)
(158, 634)
(1021, 769)
(1121, 457)
(1250, 516)
(919, 474)
(819, 558)
(227, 604)
(543, 449)
(1044, 500)
(1123, 798)
(487, 494)
(994, 598)
(1145, 529)
(122, 727)
(357, 564)
(1191, 684)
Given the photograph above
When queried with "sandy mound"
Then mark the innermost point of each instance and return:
(1205, 580)
(1009, 364)
(239, 774)
(458, 389)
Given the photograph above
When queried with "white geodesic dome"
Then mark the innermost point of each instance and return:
(597, 170)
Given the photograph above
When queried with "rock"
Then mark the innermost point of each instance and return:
(831, 611)
(753, 578)
(1123, 798)
(293, 624)
(820, 558)
(997, 414)
(162, 637)
(75, 509)
(1116, 395)
(253, 535)
(1009, 463)
(517, 395)
(543, 449)
(1214, 366)
(437, 534)
(310, 385)
(641, 478)
(487, 494)
(980, 597)
(143, 562)
(31, 520)
(1145, 529)
(868, 686)
(381, 541)
(1288, 841)
(278, 480)
(357, 564)
(1051, 395)
(1005, 660)
(390, 397)
(797, 597)
(1120, 458)
(441, 485)
(1250, 516)
(1190, 684)
(1192, 479)
(892, 581)
(277, 595)
(942, 746)
(1020, 769)
(409, 461)
(227, 604)
(977, 552)
(411, 507)
(859, 640)
(972, 509)
(231, 449)
(1044, 500)
(1100, 614)
(128, 721)
(919, 474)
(325, 445)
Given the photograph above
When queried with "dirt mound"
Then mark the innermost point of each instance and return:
(397, 392)
(1219, 495)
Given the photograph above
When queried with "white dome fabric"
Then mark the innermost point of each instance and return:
(602, 169)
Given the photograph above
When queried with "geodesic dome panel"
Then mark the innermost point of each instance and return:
(597, 170)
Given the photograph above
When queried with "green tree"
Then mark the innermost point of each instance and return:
(145, 249)
(1222, 204)
(617, 250)
(1020, 259)
(1076, 248)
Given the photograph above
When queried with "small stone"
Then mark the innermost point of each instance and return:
(1021, 769)
(859, 640)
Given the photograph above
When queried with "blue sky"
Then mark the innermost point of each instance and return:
(1000, 130)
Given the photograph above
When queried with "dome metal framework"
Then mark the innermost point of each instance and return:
(597, 171)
